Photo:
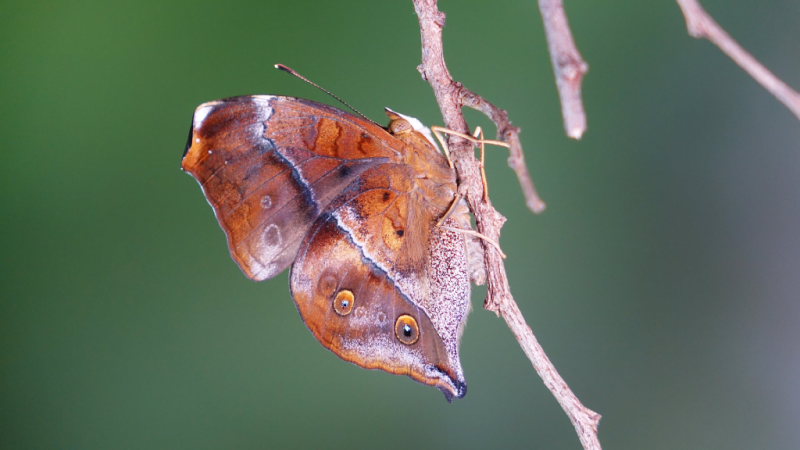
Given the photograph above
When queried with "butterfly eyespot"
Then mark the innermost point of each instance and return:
(406, 329)
(400, 233)
(266, 202)
(343, 302)
(272, 237)
(327, 285)
(386, 196)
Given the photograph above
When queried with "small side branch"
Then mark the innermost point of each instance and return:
(701, 25)
(451, 96)
(568, 65)
(510, 134)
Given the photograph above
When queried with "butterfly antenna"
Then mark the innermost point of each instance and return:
(292, 72)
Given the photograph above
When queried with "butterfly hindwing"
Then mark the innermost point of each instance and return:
(357, 253)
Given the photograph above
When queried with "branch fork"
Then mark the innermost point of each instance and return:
(451, 97)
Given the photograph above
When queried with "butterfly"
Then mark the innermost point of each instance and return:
(355, 209)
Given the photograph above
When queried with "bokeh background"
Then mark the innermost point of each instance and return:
(663, 280)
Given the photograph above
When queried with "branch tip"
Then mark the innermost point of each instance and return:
(700, 25)
(568, 66)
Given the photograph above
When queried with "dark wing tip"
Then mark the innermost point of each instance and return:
(188, 141)
(460, 391)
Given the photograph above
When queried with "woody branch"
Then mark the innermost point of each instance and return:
(568, 66)
(451, 96)
(700, 25)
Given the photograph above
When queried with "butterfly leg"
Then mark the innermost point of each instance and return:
(475, 140)
(475, 233)
(436, 132)
(479, 132)
(449, 210)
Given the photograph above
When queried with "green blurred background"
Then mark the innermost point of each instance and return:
(663, 279)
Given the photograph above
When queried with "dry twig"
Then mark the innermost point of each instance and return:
(700, 25)
(568, 66)
(451, 96)
(510, 134)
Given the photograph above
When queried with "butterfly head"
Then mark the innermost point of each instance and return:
(402, 125)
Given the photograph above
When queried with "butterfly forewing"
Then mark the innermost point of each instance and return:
(269, 165)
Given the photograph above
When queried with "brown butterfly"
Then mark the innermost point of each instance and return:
(355, 206)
